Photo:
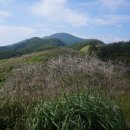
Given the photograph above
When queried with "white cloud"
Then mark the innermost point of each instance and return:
(109, 38)
(109, 5)
(113, 4)
(5, 2)
(107, 12)
(4, 14)
(111, 20)
(11, 34)
(58, 11)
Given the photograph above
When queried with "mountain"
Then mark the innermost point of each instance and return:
(36, 44)
(29, 46)
(65, 37)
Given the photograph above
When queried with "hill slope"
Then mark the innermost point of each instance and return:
(119, 51)
(7, 65)
(65, 37)
(83, 46)
(29, 46)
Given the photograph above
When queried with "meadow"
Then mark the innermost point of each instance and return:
(63, 89)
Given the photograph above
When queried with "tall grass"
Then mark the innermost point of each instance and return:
(65, 74)
(81, 111)
(12, 114)
(66, 93)
(77, 112)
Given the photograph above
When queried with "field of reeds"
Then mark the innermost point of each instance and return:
(65, 93)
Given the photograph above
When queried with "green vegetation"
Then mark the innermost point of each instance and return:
(29, 46)
(62, 88)
(87, 43)
(79, 112)
(85, 48)
(118, 52)
(66, 38)
(7, 65)
(5, 68)
(125, 102)
(66, 92)
(36, 44)
(12, 114)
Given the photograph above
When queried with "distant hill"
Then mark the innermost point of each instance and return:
(84, 45)
(29, 46)
(56, 40)
(118, 51)
(65, 37)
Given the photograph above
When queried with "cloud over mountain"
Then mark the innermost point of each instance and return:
(59, 11)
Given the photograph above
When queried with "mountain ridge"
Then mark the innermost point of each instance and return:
(29, 46)
(36, 44)
(65, 37)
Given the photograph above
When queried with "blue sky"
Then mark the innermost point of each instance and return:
(107, 20)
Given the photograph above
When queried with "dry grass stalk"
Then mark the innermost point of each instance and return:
(63, 75)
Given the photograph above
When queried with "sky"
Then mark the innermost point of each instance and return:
(107, 20)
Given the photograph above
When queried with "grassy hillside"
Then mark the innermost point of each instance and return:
(83, 46)
(29, 46)
(64, 89)
(69, 91)
(36, 44)
(118, 52)
(7, 65)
